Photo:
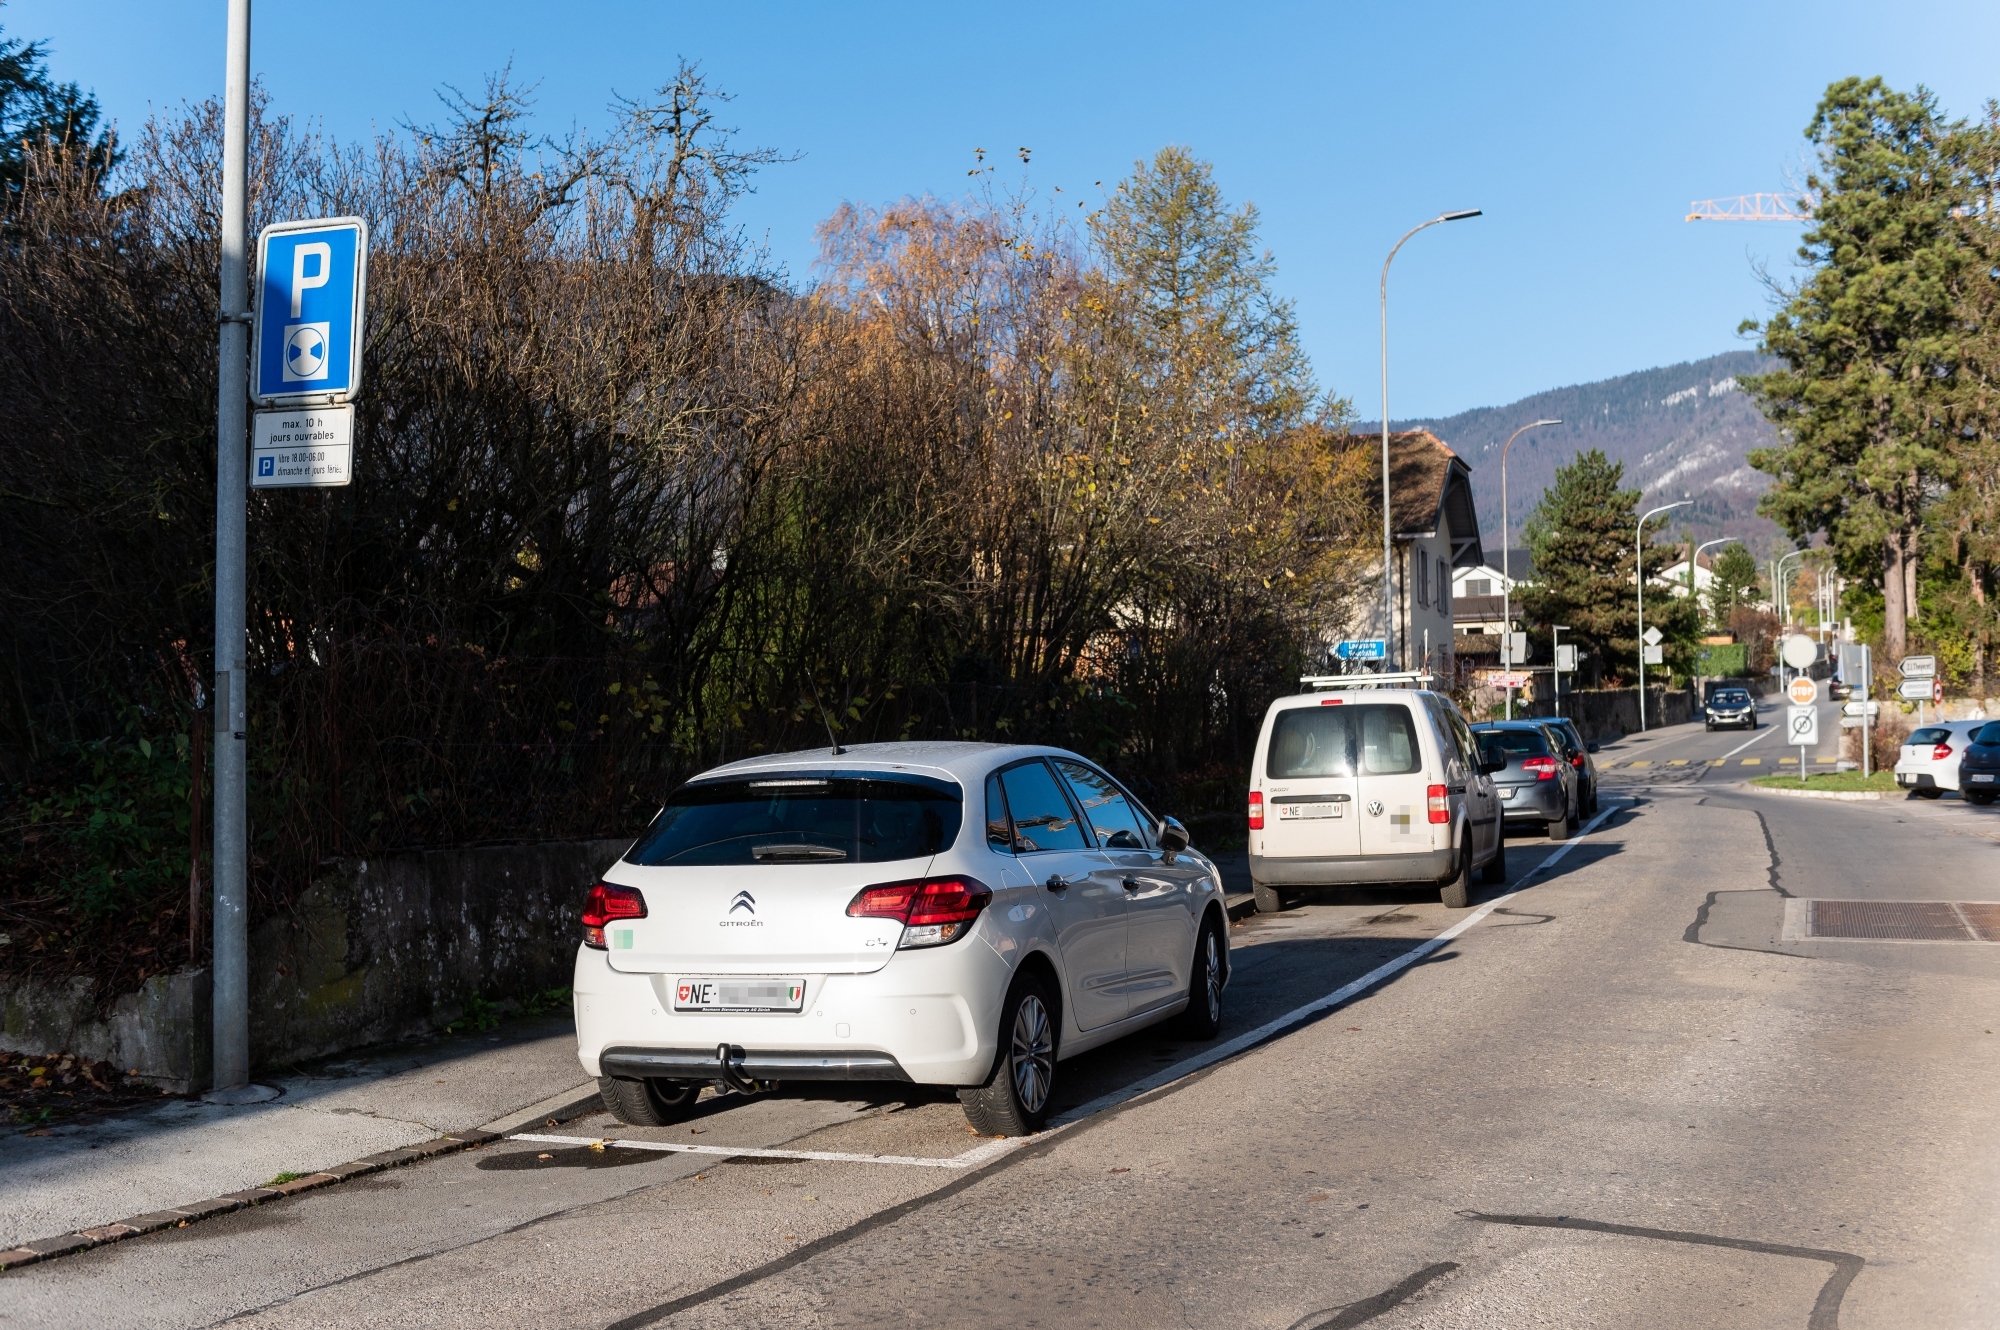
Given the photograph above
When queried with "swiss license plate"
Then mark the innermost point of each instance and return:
(1287, 812)
(739, 994)
(1984, 777)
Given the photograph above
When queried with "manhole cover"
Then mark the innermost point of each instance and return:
(1909, 921)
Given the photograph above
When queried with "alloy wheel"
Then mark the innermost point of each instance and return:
(1032, 1061)
(1212, 954)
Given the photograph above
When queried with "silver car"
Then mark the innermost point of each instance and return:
(1538, 786)
(944, 913)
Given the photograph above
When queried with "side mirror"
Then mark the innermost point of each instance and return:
(1590, 748)
(1488, 768)
(1173, 837)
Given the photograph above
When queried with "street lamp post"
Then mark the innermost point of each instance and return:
(1388, 565)
(1639, 576)
(1696, 559)
(1507, 572)
(1778, 586)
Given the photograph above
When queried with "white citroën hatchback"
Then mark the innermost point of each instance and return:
(953, 914)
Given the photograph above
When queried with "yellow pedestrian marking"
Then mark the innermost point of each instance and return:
(1788, 761)
(1718, 762)
(1753, 761)
(1678, 762)
(1642, 762)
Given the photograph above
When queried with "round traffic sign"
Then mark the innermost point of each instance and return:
(1937, 690)
(1804, 692)
(1798, 651)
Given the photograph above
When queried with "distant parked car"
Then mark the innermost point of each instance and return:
(1928, 762)
(1979, 765)
(1580, 758)
(1731, 706)
(1538, 785)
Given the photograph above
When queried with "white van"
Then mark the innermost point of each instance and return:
(1353, 783)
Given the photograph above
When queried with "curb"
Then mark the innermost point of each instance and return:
(571, 1103)
(1844, 796)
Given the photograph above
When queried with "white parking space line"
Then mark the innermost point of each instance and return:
(993, 1149)
(970, 1159)
(1211, 1056)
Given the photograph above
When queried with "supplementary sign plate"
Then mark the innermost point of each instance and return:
(1919, 667)
(303, 447)
(1362, 648)
(1914, 690)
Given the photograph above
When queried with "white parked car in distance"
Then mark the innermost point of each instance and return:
(953, 914)
(1927, 763)
(1364, 784)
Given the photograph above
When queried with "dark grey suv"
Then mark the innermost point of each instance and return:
(1731, 706)
(1538, 785)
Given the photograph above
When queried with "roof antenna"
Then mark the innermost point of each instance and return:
(814, 685)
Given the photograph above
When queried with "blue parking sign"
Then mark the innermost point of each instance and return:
(312, 280)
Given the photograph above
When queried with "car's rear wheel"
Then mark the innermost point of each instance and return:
(650, 1103)
(1560, 828)
(1203, 1017)
(1457, 893)
(1980, 797)
(1269, 899)
(1015, 1099)
(1495, 871)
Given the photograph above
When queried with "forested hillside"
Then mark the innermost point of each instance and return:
(1681, 431)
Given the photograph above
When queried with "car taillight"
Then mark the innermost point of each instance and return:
(1543, 767)
(1941, 752)
(1440, 805)
(932, 910)
(1256, 810)
(1576, 760)
(606, 903)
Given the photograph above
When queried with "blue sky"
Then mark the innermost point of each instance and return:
(1583, 131)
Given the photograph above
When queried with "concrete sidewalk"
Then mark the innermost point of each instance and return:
(98, 1171)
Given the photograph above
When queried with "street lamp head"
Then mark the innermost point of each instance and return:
(1460, 215)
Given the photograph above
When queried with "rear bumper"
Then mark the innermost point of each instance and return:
(704, 1064)
(1351, 870)
(1543, 801)
(1921, 780)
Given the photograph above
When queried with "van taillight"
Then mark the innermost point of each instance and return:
(932, 910)
(606, 903)
(1256, 810)
(1440, 805)
(1543, 767)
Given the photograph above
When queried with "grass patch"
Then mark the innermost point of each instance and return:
(282, 1178)
(1839, 782)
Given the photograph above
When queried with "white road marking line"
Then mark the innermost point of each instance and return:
(1764, 733)
(1208, 1057)
(971, 1158)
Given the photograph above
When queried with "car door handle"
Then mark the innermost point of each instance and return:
(1057, 882)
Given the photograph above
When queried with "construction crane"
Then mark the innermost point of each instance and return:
(1752, 208)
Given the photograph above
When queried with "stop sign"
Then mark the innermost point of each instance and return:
(1804, 691)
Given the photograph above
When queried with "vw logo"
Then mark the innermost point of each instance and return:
(1374, 808)
(745, 902)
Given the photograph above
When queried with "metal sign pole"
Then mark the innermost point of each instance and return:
(231, 969)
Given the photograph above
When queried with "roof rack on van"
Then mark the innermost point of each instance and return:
(1412, 679)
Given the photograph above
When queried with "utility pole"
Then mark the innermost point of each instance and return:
(230, 972)
(1388, 563)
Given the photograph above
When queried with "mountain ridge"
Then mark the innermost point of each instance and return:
(1683, 432)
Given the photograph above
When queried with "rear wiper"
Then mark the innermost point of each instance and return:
(795, 853)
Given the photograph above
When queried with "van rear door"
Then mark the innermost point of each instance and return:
(1311, 809)
(1392, 780)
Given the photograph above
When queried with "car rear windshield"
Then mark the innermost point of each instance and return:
(1932, 735)
(1731, 697)
(1987, 734)
(1332, 740)
(782, 818)
(1514, 743)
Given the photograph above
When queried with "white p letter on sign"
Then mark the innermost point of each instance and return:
(301, 283)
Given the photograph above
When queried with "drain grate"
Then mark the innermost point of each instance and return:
(1908, 921)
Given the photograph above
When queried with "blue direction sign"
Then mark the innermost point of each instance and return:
(1362, 648)
(312, 279)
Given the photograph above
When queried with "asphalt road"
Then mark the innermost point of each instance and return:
(1623, 1097)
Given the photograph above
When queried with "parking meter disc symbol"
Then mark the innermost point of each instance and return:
(305, 352)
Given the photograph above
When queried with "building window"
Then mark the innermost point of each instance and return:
(1478, 586)
(1444, 586)
(1423, 578)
